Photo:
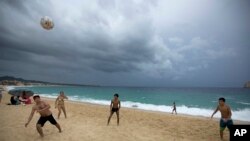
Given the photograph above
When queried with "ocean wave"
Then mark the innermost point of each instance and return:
(49, 95)
(242, 114)
(11, 87)
(14, 87)
(243, 103)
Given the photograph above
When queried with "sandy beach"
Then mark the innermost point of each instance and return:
(88, 122)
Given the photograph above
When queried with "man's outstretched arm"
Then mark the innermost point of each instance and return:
(215, 111)
(30, 117)
(119, 104)
(111, 105)
(230, 112)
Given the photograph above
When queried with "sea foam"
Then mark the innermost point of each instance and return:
(242, 114)
(239, 114)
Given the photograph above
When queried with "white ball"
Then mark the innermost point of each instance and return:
(47, 23)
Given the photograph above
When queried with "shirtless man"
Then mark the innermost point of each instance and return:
(226, 114)
(115, 106)
(174, 108)
(43, 109)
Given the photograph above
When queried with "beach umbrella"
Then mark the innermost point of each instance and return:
(19, 92)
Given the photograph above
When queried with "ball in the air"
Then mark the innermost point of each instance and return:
(47, 23)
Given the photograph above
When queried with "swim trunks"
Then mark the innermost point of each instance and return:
(115, 109)
(224, 124)
(49, 118)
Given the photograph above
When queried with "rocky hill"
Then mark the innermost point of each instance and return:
(247, 84)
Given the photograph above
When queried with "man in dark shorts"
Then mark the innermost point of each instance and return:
(174, 108)
(115, 106)
(226, 114)
(46, 115)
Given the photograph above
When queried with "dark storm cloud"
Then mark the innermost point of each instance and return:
(15, 4)
(99, 51)
(139, 42)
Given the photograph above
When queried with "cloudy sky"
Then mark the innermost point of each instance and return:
(173, 43)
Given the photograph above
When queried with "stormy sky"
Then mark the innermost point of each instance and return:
(172, 43)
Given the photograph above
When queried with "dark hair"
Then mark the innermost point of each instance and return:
(36, 96)
(222, 98)
(24, 93)
(116, 95)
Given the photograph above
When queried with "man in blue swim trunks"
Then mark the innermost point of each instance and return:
(226, 114)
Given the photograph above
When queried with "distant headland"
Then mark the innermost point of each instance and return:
(247, 84)
(10, 80)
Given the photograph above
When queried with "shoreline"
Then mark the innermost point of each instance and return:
(147, 111)
(88, 121)
(216, 117)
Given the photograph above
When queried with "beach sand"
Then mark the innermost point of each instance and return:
(88, 122)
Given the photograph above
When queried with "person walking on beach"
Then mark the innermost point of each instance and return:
(59, 103)
(115, 106)
(1, 95)
(174, 108)
(46, 115)
(226, 114)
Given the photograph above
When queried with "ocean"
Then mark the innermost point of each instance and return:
(190, 101)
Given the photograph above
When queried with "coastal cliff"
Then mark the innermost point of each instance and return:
(10, 80)
(247, 84)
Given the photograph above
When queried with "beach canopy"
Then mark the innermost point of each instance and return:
(19, 92)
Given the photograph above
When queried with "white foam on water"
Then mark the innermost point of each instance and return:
(242, 114)
(49, 95)
(10, 87)
(243, 103)
(14, 87)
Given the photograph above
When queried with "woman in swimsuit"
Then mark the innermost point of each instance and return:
(60, 104)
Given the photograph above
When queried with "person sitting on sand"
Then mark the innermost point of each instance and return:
(17, 99)
(59, 103)
(13, 100)
(46, 115)
(226, 114)
(115, 106)
(25, 99)
(174, 108)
